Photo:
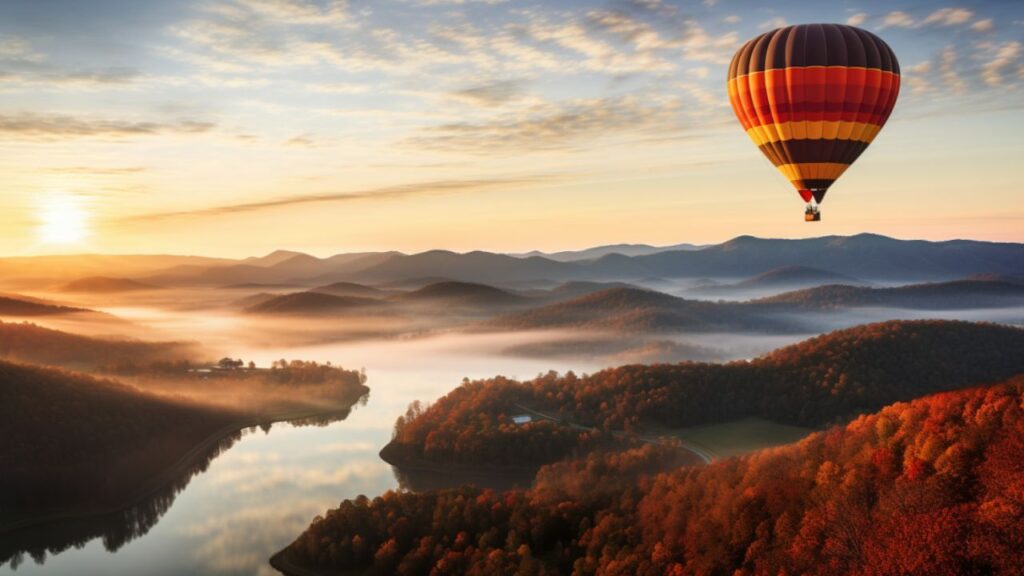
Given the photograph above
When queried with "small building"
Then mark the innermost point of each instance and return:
(521, 419)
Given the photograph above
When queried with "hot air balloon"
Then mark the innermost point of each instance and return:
(812, 97)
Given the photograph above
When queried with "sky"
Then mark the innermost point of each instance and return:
(236, 127)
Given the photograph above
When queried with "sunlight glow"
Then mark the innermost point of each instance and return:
(62, 219)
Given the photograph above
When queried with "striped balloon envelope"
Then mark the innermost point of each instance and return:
(812, 97)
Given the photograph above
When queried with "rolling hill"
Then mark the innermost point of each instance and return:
(275, 257)
(480, 267)
(11, 306)
(599, 251)
(49, 270)
(461, 294)
(85, 440)
(960, 294)
(638, 310)
(350, 289)
(864, 256)
(926, 487)
(569, 290)
(811, 384)
(30, 343)
(780, 279)
(106, 285)
(313, 303)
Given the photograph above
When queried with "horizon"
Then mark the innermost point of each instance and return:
(527, 252)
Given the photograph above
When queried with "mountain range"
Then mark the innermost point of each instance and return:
(866, 257)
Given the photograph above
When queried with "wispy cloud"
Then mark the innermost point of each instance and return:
(1000, 58)
(897, 19)
(948, 17)
(383, 193)
(14, 49)
(491, 93)
(948, 68)
(984, 25)
(777, 22)
(35, 126)
(46, 78)
(95, 170)
(857, 19)
(553, 126)
(335, 12)
(456, 2)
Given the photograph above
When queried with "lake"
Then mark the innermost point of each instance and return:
(261, 492)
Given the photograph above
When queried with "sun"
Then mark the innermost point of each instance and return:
(62, 220)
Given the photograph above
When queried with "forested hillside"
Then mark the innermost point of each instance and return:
(927, 487)
(960, 294)
(31, 343)
(69, 437)
(814, 383)
(635, 310)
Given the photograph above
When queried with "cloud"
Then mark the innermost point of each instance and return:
(383, 193)
(95, 170)
(46, 78)
(948, 17)
(916, 77)
(233, 36)
(1001, 57)
(457, 2)
(33, 126)
(897, 19)
(338, 88)
(600, 54)
(299, 11)
(947, 66)
(983, 25)
(777, 22)
(731, 19)
(490, 94)
(553, 126)
(301, 141)
(939, 17)
(857, 19)
(14, 50)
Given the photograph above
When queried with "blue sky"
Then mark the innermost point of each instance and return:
(504, 125)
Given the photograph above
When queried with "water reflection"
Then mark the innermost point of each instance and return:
(115, 529)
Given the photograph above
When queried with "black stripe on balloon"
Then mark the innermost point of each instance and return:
(818, 185)
(818, 150)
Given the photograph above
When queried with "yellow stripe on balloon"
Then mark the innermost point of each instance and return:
(859, 131)
(813, 170)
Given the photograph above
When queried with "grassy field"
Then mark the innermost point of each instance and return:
(739, 436)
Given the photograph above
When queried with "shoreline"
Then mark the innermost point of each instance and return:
(391, 454)
(279, 562)
(154, 484)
